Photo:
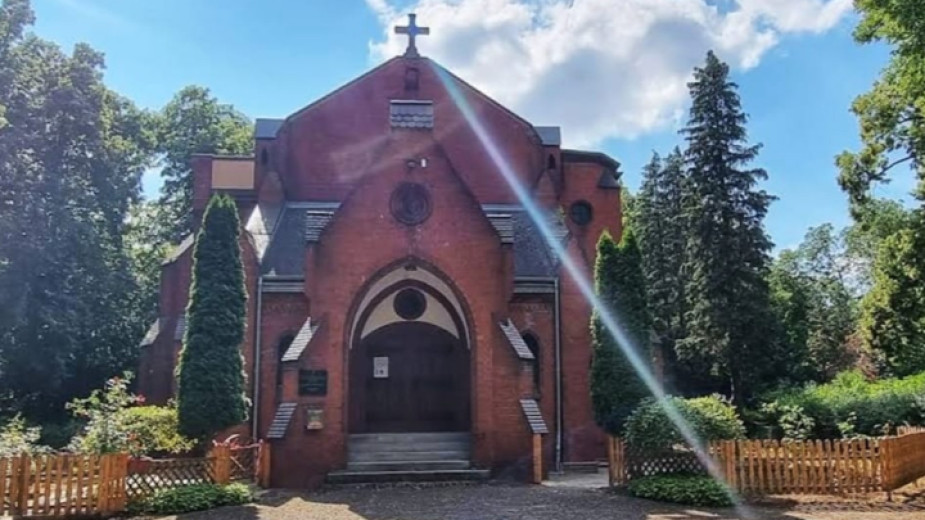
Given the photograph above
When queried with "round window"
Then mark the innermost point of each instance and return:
(410, 304)
(581, 212)
(410, 203)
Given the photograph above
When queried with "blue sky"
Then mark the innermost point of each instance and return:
(610, 72)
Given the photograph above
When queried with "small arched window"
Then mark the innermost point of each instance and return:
(551, 162)
(534, 345)
(264, 157)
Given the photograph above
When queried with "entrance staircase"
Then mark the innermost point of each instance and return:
(403, 457)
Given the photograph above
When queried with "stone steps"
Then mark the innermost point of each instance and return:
(407, 455)
(367, 477)
(414, 457)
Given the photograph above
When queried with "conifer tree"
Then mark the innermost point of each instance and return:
(727, 249)
(211, 394)
(662, 239)
(615, 386)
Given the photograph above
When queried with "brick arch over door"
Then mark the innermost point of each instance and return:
(411, 373)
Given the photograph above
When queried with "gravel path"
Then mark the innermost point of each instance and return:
(519, 502)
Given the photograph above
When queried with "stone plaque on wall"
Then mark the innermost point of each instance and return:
(313, 382)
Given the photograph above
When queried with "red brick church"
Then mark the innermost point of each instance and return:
(407, 314)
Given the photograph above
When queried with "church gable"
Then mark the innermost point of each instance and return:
(330, 145)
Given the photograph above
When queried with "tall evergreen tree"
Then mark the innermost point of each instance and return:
(727, 252)
(616, 388)
(662, 236)
(211, 394)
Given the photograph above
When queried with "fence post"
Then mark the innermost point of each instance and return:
(263, 465)
(886, 467)
(221, 459)
(616, 465)
(21, 499)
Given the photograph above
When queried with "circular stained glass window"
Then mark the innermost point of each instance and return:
(410, 203)
(410, 304)
(581, 212)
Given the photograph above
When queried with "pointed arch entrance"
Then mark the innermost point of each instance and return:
(409, 355)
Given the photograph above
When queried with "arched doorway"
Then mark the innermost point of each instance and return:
(409, 358)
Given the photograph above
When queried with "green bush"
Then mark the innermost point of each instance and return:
(848, 406)
(16, 438)
(198, 497)
(114, 424)
(692, 490)
(649, 431)
(154, 431)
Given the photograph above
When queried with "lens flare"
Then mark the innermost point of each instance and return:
(607, 316)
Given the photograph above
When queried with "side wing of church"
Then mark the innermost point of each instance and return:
(406, 310)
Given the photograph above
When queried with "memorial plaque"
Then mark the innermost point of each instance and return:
(380, 368)
(313, 382)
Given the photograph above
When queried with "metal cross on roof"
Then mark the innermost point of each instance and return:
(412, 30)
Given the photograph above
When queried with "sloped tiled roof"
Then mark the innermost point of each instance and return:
(181, 248)
(534, 418)
(503, 222)
(299, 222)
(267, 128)
(316, 220)
(549, 135)
(301, 341)
(180, 328)
(281, 420)
(153, 332)
(533, 257)
(516, 340)
(260, 225)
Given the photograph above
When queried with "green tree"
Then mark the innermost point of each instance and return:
(194, 122)
(813, 299)
(662, 237)
(615, 386)
(727, 251)
(892, 121)
(877, 220)
(893, 312)
(211, 394)
(71, 156)
(892, 114)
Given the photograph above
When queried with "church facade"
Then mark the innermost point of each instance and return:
(403, 283)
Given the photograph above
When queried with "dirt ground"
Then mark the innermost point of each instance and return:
(569, 499)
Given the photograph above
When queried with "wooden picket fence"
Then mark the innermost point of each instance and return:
(62, 485)
(66, 485)
(794, 467)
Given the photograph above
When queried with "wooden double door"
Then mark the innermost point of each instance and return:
(409, 377)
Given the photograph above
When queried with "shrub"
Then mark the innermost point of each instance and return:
(153, 430)
(692, 490)
(115, 425)
(649, 431)
(198, 497)
(16, 439)
(848, 406)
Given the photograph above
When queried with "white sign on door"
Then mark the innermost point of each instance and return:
(380, 368)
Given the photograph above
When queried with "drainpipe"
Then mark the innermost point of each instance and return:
(558, 348)
(257, 334)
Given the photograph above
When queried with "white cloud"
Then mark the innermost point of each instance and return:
(598, 68)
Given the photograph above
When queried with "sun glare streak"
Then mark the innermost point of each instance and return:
(584, 284)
